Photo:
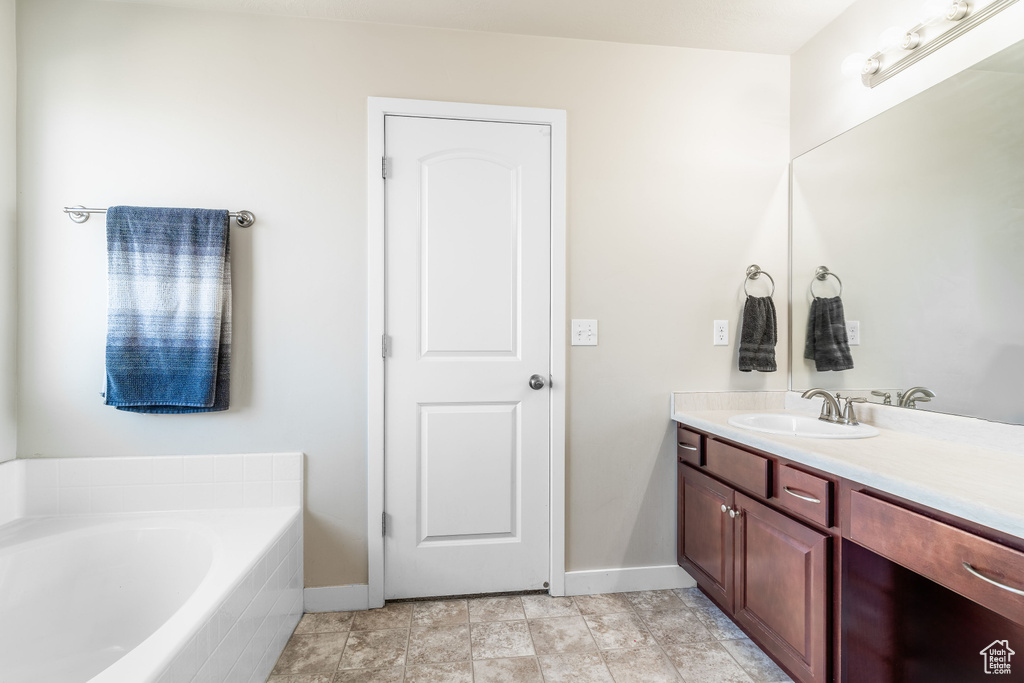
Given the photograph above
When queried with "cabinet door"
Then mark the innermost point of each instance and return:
(782, 587)
(706, 538)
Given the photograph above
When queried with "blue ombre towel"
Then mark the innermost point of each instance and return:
(169, 310)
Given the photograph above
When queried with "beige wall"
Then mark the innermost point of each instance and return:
(677, 181)
(825, 102)
(8, 229)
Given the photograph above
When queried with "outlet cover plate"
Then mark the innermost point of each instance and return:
(721, 337)
(853, 332)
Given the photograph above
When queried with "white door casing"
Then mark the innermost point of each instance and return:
(473, 272)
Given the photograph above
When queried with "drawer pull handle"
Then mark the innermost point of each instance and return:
(809, 499)
(687, 447)
(981, 576)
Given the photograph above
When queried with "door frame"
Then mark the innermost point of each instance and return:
(377, 109)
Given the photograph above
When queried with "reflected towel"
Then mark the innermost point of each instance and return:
(758, 335)
(827, 344)
(169, 310)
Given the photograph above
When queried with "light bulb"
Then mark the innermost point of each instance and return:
(853, 64)
(891, 38)
(911, 41)
(957, 11)
(934, 11)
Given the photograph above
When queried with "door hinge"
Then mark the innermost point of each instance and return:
(384, 168)
(383, 524)
(385, 345)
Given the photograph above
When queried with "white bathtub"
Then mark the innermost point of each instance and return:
(144, 597)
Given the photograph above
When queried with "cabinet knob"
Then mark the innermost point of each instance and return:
(725, 508)
(734, 513)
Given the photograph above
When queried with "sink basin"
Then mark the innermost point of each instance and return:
(800, 425)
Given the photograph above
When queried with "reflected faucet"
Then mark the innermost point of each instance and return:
(886, 397)
(830, 411)
(911, 397)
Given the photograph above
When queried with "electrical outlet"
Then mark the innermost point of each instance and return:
(584, 333)
(721, 333)
(853, 332)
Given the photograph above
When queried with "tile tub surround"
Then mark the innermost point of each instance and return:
(12, 491)
(241, 640)
(671, 636)
(52, 486)
(975, 483)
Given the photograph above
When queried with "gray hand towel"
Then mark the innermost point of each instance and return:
(827, 344)
(758, 335)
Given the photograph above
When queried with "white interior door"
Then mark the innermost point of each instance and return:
(468, 263)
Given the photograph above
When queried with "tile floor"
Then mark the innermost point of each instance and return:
(645, 637)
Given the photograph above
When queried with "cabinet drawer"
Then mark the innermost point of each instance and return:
(689, 446)
(988, 573)
(738, 467)
(805, 495)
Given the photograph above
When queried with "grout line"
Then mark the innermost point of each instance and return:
(342, 656)
(633, 610)
(536, 656)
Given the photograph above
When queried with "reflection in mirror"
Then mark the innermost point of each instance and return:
(920, 211)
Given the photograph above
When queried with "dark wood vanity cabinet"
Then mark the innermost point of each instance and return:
(706, 538)
(764, 569)
(838, 581)
(781, 586)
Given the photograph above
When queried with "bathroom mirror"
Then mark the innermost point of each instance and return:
(920, 213)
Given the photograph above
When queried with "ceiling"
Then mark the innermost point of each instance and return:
(766, 26)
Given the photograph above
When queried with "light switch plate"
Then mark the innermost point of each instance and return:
(853, 332)
(584, 332)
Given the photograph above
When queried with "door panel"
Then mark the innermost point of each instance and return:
(707, 539)
(471, 293)
(469, 443)
(781, 586)
(468, 314)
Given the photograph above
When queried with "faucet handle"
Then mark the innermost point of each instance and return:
(849, 416)
(886, 397)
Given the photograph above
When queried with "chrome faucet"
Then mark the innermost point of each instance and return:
(830, 410)
(849, 414)
(886, 397)
(911, 397)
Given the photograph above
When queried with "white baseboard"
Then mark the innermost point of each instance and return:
(593, 581)
(336, 598)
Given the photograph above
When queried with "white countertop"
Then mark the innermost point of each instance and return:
(976, 484)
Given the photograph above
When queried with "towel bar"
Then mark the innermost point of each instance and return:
(80, 214)
(754, 272)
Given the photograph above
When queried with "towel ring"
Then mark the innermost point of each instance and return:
(754, 272)
(821, 273)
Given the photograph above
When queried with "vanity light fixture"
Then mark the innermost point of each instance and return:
(898, 48)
